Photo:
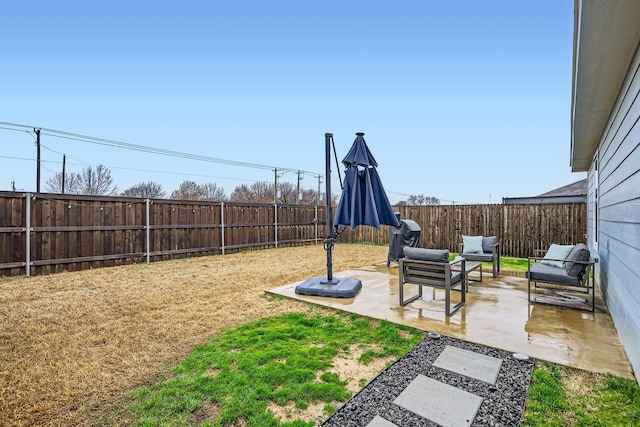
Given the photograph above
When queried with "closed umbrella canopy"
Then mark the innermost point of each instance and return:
(363, 200)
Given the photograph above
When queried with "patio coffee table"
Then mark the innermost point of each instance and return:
(470, 266)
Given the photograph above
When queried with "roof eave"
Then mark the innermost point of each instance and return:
(606, 35)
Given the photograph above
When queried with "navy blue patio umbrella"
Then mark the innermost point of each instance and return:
(363, 202)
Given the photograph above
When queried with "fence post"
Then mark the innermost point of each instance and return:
(148, 230)
(27, 229)
(316, 222)
(222, 226)
(276, 223)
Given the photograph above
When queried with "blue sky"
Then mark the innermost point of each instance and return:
(466, 101)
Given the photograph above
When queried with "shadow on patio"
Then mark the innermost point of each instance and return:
(496, 314)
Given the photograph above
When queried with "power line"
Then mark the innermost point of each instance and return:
(160, 151)
(83, 163)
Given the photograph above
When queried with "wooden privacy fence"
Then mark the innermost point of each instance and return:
(47, 233)
(521, 229)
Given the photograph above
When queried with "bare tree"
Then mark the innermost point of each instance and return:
(287, 193)
(97, 181)
(211, 191)
(258, 192)
(422, 200)
(309, 197)
(72, 183)
(188, 190)
(146, 190)
(432, 201)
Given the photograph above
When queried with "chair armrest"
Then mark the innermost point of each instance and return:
(457, 260)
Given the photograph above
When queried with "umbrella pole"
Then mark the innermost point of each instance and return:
(330, 240)
(329, 286)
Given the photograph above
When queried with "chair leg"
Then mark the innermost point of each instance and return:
(401, 283)
(447, 299)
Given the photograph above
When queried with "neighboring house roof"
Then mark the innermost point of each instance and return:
(606, 35)
(578, 188)
(572, 193)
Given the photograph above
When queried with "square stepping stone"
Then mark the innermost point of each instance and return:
(469, 363)
(378, 421)
(438, 402)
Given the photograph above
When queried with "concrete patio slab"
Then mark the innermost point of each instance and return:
(497, 314)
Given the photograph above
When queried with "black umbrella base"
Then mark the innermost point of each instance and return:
(338, 287)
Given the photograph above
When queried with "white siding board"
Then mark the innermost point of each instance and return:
(624, 110)
(624, 191)
(624, 163)
(622, 233)
(627, 324)
(618, 269)
(627, 171)
(626, 212)
(624, 121)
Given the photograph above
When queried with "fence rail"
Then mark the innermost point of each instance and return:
(48, 233)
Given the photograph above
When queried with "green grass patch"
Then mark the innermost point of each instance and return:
(284, 360)
(561, 396)
(508, 263)
(511, 263)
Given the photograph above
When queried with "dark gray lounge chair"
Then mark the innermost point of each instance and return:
(574, 275)
(490, 253)
(431, 267)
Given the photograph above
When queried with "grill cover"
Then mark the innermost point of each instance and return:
(407, 234)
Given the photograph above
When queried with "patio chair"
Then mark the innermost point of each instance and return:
(483, 249)
(431, 267)
(568, 268)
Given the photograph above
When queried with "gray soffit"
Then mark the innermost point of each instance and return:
(606, 36)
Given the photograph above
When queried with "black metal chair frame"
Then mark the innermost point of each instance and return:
(435, 275)
(495, 257)
(584, 284)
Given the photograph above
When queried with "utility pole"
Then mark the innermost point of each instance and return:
(275, 186)
(319, 182)
(64, 163)
(298, 188)
(37, 131)
(13, 186)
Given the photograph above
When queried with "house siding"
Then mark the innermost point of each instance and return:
(618, 247)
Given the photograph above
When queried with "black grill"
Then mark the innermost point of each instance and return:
(407, 234)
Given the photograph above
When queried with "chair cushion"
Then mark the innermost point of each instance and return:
(488, 242)
(556, 252)
(547, 273)
(421, 254)
(580, 252)
(472, 244)
(456, 276)
(478, 257)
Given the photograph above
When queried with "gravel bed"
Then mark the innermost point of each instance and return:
(502, 405)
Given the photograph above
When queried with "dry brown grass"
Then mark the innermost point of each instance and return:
(72, 345)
